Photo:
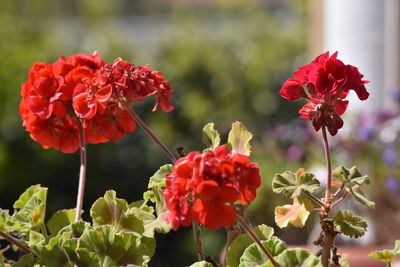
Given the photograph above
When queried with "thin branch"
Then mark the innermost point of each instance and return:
(255, 238)
(16, 243)
(337, 202)
(163, 147)
(338, 191)
(316, 200)
(82, 172)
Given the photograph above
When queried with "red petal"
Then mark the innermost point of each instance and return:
(213, 216)
(104, 93)
(207, 189)
(82, 107)
(292, 90)
(125, 122)
(183, 168)
(341, 106)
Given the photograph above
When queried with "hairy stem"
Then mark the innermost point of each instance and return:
(198, 241)
(16, 243)
(82, 172)
(337, 202)
(316, 200)
(163, 147)
(328, 191)
(255, 238)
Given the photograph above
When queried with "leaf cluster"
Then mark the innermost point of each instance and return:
(120, 234)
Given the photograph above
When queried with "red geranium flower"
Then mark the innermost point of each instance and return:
(326, 81)
(203, 186)
(46, 105)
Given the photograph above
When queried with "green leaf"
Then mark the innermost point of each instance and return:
(60, 219)
(397, 247)
(116, 249)
(358, 194)
(253, 255)
(151, 222)
(239, 138)
(75, 229)
(52, 255)
(296, 258)
(114, 211)
(201, 264)
(238, 246)
(36, 241)
(4, 216)
(34, 190)
(30, 210)
(387, 255)
(384, 255)
(351, 175)
(296, 214)
(26, 260)
(292, 184)
(158, 179)
(211, 136)
(348, 224)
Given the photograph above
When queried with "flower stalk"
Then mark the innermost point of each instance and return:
(163, 147)
(198, 241)
(82, 172)
(328, 191)
(247, 228)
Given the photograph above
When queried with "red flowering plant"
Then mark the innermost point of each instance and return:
(84, 100)
(325, 82)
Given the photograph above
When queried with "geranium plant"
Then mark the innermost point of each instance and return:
(84, 100)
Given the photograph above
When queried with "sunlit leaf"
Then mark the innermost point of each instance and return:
(292, 184)
(241, 242)
(358, 194)
(30, 210)
(36, 241)
(296, 258)
(253, 255)
(351, 175)
(348, 224)
(4, 216)
(25, 261)
(211, 136)
(239, 138)
(201, 264)
(114, 211)
(158, 179)
(295, 214)
(118, 249)
(60, 219)
(387, 255)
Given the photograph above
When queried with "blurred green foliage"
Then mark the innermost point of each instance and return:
(225, 62)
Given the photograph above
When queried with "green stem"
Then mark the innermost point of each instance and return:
(16, 243)
(198, 241)
(163, 147)
(255, 238)
(82, 172)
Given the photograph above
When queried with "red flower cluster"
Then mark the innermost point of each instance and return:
(201, 187)
(326, 81)
(84, 87)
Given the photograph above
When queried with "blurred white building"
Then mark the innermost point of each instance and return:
(367, 35)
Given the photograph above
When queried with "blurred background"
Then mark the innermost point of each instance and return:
(226, 60)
